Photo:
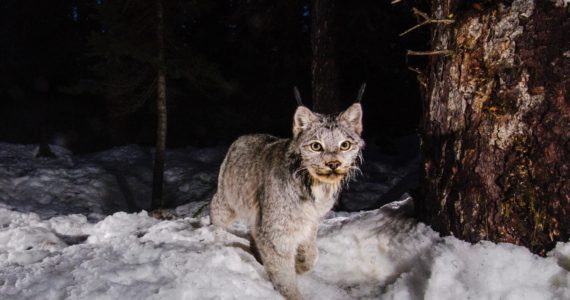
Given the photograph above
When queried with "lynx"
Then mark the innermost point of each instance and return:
(283, 187)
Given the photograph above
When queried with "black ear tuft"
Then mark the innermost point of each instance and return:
(297, 96)
(361, 92)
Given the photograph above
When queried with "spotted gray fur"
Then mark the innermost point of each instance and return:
(283, 187)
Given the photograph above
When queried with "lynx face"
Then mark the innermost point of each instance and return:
(330, 146)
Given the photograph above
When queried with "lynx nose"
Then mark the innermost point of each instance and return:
(333, 164)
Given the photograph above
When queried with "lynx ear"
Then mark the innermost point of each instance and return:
(353, 117)
(303, 116)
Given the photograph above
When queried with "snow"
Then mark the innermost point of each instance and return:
(102, 183)
(66, 232)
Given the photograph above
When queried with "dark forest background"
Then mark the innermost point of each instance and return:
(80, 73)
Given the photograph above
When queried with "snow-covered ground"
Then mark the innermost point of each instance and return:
(71, 227)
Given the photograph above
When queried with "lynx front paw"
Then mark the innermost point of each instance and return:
(306, 258)
(302, 266)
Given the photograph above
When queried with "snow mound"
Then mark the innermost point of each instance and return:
(100, 184)
(130, 256)
(370, 255)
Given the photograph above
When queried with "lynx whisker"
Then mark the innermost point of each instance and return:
(300, 170)
(355, 170)
(351, 174)
(359, 159)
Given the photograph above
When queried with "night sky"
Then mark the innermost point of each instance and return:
(79, 73)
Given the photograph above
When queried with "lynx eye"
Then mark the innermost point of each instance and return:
(345, 146)
(316, 146)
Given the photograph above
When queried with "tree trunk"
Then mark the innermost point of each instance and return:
(157, 183)
(324, 66)
(496, 123)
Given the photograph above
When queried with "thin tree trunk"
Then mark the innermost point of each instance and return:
(496, 121)
(42, 86)
(326, 98)
(157, 184)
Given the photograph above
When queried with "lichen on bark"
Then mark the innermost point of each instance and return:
(495, 160)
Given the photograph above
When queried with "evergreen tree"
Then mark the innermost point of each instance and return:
(142, 46)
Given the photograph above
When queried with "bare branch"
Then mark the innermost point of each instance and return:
(420, 76)
(415, 70)
(420, 13)
(434, 52)
(427, 20)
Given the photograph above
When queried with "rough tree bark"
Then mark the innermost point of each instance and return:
(157, 181)
(326, 98)
(496, 123)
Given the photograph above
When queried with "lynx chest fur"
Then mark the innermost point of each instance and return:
(283, 187)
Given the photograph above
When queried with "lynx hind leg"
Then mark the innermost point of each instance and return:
(281, 270)
(221, 214)
(307, 256)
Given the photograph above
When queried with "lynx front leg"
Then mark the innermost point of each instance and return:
(281, 269)
(307, 255)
